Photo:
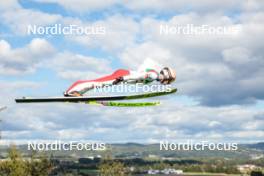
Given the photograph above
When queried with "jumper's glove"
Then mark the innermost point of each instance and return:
(118, 80)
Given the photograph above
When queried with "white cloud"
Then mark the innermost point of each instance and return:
(76, 66)
(120, 32)
(253, 5)
(258, 134)
(141, 125)
(7, 5)
(134, 56)
(82, 6)
(40, 53)
(237, 55)
(203, 6)
(16, 61)
(13, 86)
(23, 18)
(183, 5)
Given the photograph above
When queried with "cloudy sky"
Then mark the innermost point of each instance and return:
(219, 75)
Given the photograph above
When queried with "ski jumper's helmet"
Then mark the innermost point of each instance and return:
(168, 75)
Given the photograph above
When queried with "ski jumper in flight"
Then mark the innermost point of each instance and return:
(164, 76)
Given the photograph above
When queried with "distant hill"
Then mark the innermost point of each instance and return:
(136, 150)
(258, 146)
(130, 144)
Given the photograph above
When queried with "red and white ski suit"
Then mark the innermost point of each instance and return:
(120, 75)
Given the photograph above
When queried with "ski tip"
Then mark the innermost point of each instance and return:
(173, 90)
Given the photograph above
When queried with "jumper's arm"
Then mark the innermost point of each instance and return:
(140, 77)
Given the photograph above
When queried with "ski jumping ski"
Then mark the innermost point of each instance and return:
(123, 104)
(94, 98)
